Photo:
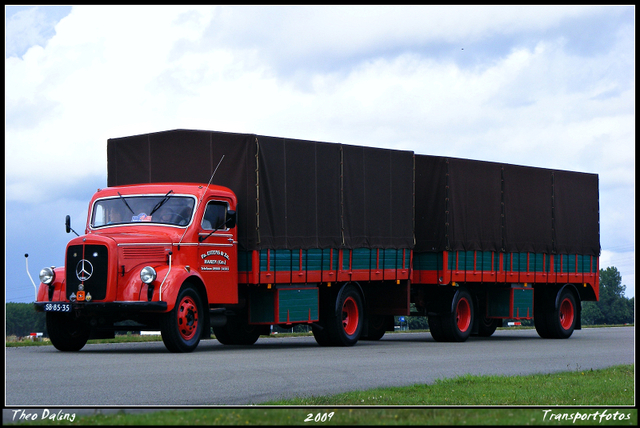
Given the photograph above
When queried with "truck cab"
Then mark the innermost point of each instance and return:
(156, 256)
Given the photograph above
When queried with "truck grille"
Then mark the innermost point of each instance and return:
(87, 265)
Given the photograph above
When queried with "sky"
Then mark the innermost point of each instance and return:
(545, 86)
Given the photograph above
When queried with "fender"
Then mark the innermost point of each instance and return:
(56, 291)
(176, 275)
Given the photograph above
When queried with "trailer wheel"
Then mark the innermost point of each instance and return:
(238, 331)
(487, 326)
(342, 326)
(377, 326)
(561, 322)
(65, 333)
(182, 327)
(455, 326)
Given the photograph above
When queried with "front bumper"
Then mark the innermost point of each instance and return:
(109, 307)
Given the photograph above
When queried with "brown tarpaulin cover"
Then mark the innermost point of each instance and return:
(291, 193)
(296, 194)
(468, 205)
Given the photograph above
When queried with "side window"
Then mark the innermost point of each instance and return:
(215, 215)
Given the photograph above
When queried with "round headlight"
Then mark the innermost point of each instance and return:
(47, 276)
(148, 274)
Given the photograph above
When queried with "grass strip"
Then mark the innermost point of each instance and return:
(566, 398)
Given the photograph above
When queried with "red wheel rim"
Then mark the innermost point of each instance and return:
(566, 314)
(463, 314)
(187, 318)
(350, 316)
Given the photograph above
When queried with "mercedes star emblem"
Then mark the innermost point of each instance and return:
(84, 270)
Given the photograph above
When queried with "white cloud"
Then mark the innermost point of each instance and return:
(509, 84)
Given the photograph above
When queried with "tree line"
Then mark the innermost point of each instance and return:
(612, 308)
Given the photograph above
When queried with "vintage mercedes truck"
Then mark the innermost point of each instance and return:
(202, 231)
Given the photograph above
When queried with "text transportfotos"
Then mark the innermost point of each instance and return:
(598, 416)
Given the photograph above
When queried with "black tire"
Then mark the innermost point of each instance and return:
(487, 326)
(66, 333)
(435, 328)
(377, 326)
(540, 322)
(455, 326)
(321, 336)
(182, 327)
(238, 331)
(342, 324)
(562, 321)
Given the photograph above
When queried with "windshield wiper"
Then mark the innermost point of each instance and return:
(126, 203)
(161, 203)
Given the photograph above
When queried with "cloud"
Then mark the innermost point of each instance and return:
(522, 85)
(30, 26)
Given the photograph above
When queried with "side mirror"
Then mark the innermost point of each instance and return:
(231, 219)
(67, 225)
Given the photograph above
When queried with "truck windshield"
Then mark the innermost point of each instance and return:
(176, 210)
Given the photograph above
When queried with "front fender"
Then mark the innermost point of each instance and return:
(169, 281)
(56, 291)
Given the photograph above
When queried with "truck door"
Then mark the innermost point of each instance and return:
(218, 253)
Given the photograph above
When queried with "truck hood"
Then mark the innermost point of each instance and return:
(155, 237)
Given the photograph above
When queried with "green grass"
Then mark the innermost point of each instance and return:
(606, 387)
(571, 395)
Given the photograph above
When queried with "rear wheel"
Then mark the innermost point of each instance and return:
(342, 324)
(377, 326)
(66, 333)
(181, 328)
(238, 331)
(455, 326)
(557, 322)
(487, 326)
(562, 320)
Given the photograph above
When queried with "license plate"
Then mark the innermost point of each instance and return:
(57, 307)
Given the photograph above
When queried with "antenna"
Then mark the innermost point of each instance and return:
(203, 193)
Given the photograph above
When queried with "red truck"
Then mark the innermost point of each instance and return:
(235, 233)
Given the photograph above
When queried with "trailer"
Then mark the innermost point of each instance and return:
(264, 231)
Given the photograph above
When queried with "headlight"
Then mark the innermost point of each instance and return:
(148, 274)
(47, 276)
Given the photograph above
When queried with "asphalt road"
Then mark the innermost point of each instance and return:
(146, 374)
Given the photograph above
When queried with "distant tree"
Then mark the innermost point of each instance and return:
(612, 307)
(22, 319)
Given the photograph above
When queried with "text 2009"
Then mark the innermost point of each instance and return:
(320, 417)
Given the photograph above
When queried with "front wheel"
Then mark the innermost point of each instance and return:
(66, 333)
(181, 328)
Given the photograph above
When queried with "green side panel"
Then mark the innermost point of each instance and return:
(264, 259)
(392, 259)
(565, 262)
(244, 261)
(261, 306)
(519, 262)
(298, 305)
(584, 264)
(484, 260)
(572, 264)
(498, 303)
(279, 260)
(319, 259)
(362, 259)
(427, 261)
(522, 303)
